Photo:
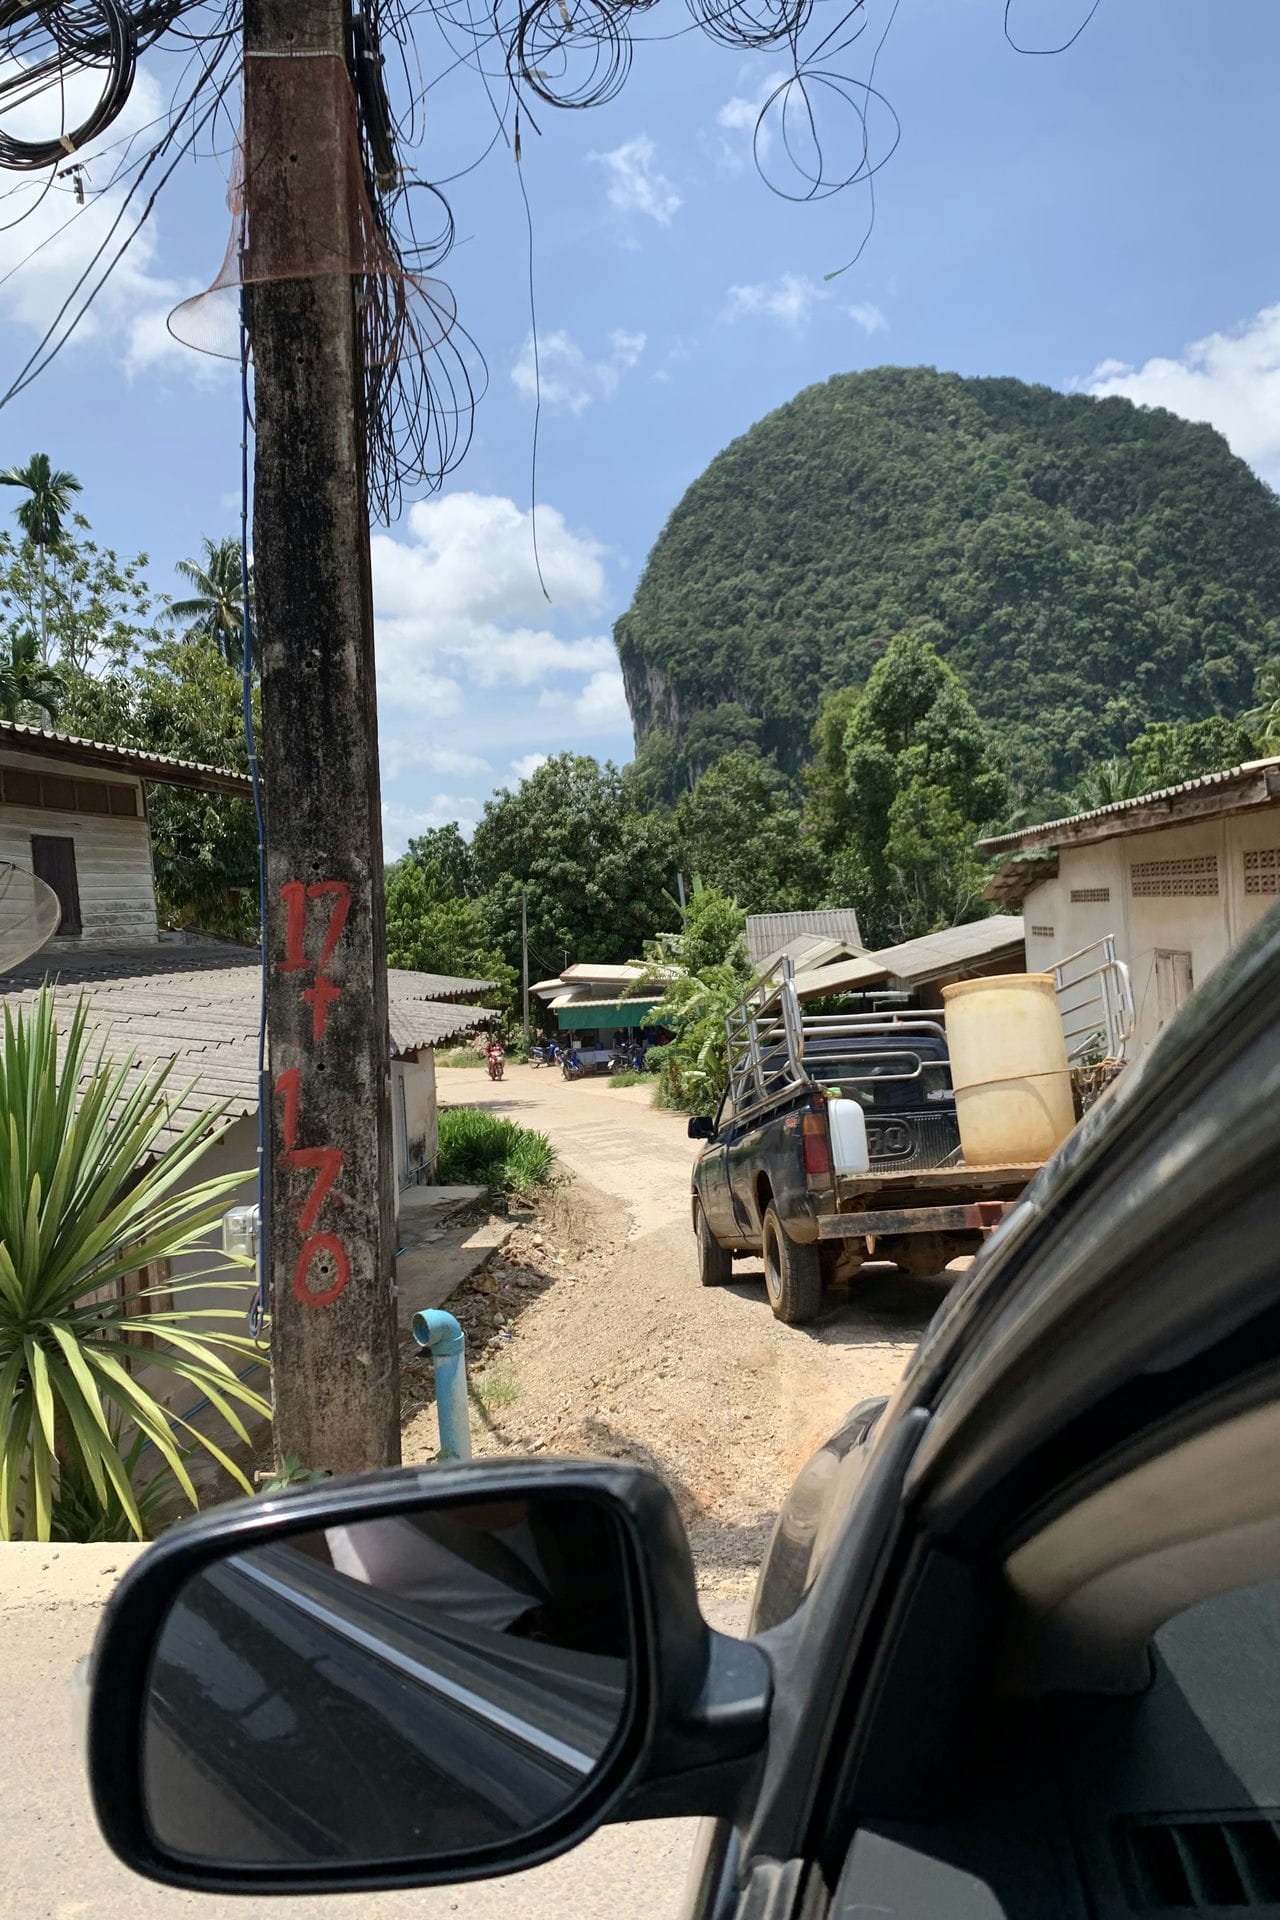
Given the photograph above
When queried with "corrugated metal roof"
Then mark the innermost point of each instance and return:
(956, 950)
(198, 1006)
(164, 768)
(588, 973)
(768, 933)
(1244, 776)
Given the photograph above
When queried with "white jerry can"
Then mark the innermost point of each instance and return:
(847, 1125)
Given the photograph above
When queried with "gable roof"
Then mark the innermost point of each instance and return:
(772, 933)
(198, 1006)
(956, 953)
(164, 768)
(1254, 784)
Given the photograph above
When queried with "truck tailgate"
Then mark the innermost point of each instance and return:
(929, 1200)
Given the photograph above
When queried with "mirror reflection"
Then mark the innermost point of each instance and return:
(409, 1687)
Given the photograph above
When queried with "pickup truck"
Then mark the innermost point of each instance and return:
(768, 1181)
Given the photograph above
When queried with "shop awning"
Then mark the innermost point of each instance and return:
(579, 1014)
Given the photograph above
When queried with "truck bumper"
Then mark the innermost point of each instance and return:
(982, 1216)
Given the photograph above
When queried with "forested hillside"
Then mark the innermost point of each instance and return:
(1089, 565)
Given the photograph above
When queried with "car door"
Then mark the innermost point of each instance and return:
(713, 1176)
(1032, 1650)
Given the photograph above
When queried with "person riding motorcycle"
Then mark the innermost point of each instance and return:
(494, 1055)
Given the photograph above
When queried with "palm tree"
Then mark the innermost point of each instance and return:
(1106, 782)
(49, 491)
(1263, 720)
(216, 609)
(29, 688)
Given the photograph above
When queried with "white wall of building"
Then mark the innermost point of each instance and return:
(1178, 900)
(113, 855)
(414, 1119)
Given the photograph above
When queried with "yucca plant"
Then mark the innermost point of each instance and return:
(89, 1194)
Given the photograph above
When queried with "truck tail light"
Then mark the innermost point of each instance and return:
(817, 1148)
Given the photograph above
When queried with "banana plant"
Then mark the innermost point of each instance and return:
(90, 1193)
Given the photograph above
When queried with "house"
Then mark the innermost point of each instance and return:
(75, 812)
(591, 1003)
(829, 931)
(1176, 877)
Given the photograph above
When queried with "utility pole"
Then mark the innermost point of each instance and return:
(524, 953)
(334, 1351)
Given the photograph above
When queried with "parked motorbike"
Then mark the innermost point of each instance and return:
(571, 1066)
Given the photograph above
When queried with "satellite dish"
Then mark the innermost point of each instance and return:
(29, 914)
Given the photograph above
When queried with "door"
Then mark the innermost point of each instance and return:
(713, 1177)
(1173, 983)
(53, 860)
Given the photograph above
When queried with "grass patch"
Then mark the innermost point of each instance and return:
(461, 1057)
(481, 1150)
(497, 1388)
(632, 1077)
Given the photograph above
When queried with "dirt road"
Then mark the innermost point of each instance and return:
(625, 1354)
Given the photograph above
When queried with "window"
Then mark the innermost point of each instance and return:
(1197, 874)
(1173, 984)
(53, 860)
(1262, 870)
(1042, 933)
(61, 794)
(1090, 896)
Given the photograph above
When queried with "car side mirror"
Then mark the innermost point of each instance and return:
(701, 1127)
(430, 1675)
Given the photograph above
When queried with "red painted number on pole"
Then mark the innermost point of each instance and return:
(324, 1162)
(321, 1243)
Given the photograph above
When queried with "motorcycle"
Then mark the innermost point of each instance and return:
(544, 1056)
(571, 1066)
(494, 1061)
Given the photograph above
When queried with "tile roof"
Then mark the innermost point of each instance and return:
(1253, 784)
(165, 768)
(198, 1005)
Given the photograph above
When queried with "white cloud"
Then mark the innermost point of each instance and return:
(869, 318)
(528, 764)
(634, 185)
(741, 115)
(601, 707)
(568, 378)
(1232, 380)
(44, 253)
(399, 755)
(462, 596)
(400, 824)
(789, 298)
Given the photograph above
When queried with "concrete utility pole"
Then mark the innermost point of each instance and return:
(334, 1354)
(524, 952)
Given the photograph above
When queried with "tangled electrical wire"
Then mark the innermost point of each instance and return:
(821, 129)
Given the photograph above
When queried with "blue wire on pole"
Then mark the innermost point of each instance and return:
(260, 1307)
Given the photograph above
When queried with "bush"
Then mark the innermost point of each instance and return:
(480, 1149)
(632, 1077)
(461, 1057)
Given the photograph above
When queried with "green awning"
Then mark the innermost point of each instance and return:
(604, 1013)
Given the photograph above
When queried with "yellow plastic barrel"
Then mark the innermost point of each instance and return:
(1009, 1068)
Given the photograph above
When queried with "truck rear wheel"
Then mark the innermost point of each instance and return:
(715, 1263)
(792, 1273)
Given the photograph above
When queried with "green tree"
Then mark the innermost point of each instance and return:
(98, 608)
(829, 804)
(1103, 784)
(48, 490)
(215, 612)
(1167, 752)
(446, 862)
(742, 833)
(437, 932)
(1263, 718)
(922, 782)
(597, 871)
(713, 932)
(30, 690)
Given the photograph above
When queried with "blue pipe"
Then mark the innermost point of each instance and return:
(448, 1344)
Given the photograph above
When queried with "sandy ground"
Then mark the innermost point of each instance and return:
(591, 1334)
(611, 1346)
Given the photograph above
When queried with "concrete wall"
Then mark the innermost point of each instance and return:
(113, 855)
(1201, 906)
(414, 1119)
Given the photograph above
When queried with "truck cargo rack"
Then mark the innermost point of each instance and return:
(1096, 1003)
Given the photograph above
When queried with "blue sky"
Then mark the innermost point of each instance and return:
(1103, 220)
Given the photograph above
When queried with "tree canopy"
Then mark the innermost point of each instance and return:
(1089, 565)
